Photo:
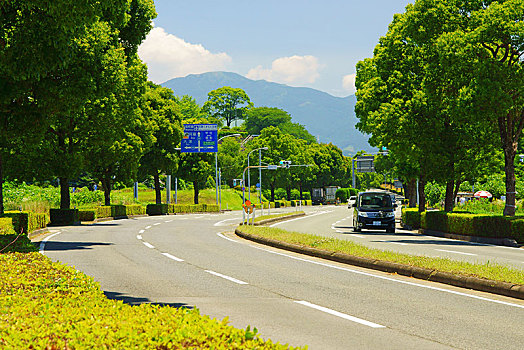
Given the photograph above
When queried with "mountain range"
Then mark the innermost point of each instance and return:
(328, 118)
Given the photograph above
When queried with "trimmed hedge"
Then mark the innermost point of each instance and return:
(163, 209)
(87, 214)
(27, 222)
(157, 209)
(48, 305)
(63, 216)
(482, 225)
(411, 217)
(6, 226)
(135, 209)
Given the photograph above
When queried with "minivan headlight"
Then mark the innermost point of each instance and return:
(365, 214)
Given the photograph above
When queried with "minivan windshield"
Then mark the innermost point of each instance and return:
(375, 201)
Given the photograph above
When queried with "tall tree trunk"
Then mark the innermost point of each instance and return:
(106, 185)
(1, 185)
(288, 192)
(411, 192)
(509, 168)
(272, 192)
(421, 194)
(158, 192)
(448, 201)
(457, 188)
(65, 197)
(197, 190)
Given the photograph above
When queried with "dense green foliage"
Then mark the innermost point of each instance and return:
(51, 305)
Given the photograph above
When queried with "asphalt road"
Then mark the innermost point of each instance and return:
(192, 261)
(337, 221)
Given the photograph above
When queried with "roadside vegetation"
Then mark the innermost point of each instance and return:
(487, 270)
(48, 305)
(274, 216)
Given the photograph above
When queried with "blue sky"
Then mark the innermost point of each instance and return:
(299, 43)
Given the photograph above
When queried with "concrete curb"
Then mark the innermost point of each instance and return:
(483, 285)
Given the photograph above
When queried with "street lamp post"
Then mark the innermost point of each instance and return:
(216, 164)
(248, 177)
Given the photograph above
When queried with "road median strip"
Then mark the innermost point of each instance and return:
(465, 281)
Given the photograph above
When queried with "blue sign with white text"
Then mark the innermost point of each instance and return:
(200, 138)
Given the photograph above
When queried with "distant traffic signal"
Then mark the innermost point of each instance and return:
(285, 163)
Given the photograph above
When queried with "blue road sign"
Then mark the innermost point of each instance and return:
(200, 138)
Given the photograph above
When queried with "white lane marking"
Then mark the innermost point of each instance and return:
(386, 278)
(340, 314)
(42, 244)
(139, 237)
(222, 223)
(148, 227)
(452, 251)
(168, 221)
(156, 224)
(302, 217)
(199, 217)
(393, 242)
(141, 231)
(222, 236)
(149, 245)
(358, 236)
(172, 257)
(226, 277)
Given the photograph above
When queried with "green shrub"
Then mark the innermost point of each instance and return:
(118, 211)
(411, 217)
(87, 214)
(157, 209)
(353, 191)
(11, 243)
(27, 222)
(436, 220)
(63, 216)
(135, 209)
(48, 305)
(6, 226)
(342, 194)
(276, 204)
(103, 212)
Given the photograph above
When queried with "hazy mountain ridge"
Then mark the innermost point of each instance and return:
(330, 118)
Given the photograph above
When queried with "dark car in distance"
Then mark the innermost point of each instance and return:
(374, 210)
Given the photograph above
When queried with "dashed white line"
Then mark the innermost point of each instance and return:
(392, 242)
(141, 231)
(172, 257)
(139, 237)
(156, 224)
(226, 277)
(149, 245)
(358, 236)
(168, 221)
(340, 314)
(148, 227)
(452, 251)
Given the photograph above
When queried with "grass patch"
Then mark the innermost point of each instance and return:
(273, 216)
(487, 270)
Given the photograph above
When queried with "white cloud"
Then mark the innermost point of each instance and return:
(295, 70)
(348, 83)
(168, 56)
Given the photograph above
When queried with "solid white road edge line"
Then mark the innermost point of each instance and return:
(452, 251)
(172, 257)
(224, 237)
(387, 278)
(149, 245)
(226, 277)
(302, 217)
(44, 241)
(221, 223)
(340, 314)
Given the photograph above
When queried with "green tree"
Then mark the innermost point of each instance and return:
(227, 104)
(162, 156)
(118, 132)
(260, 118)
(196, 168)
